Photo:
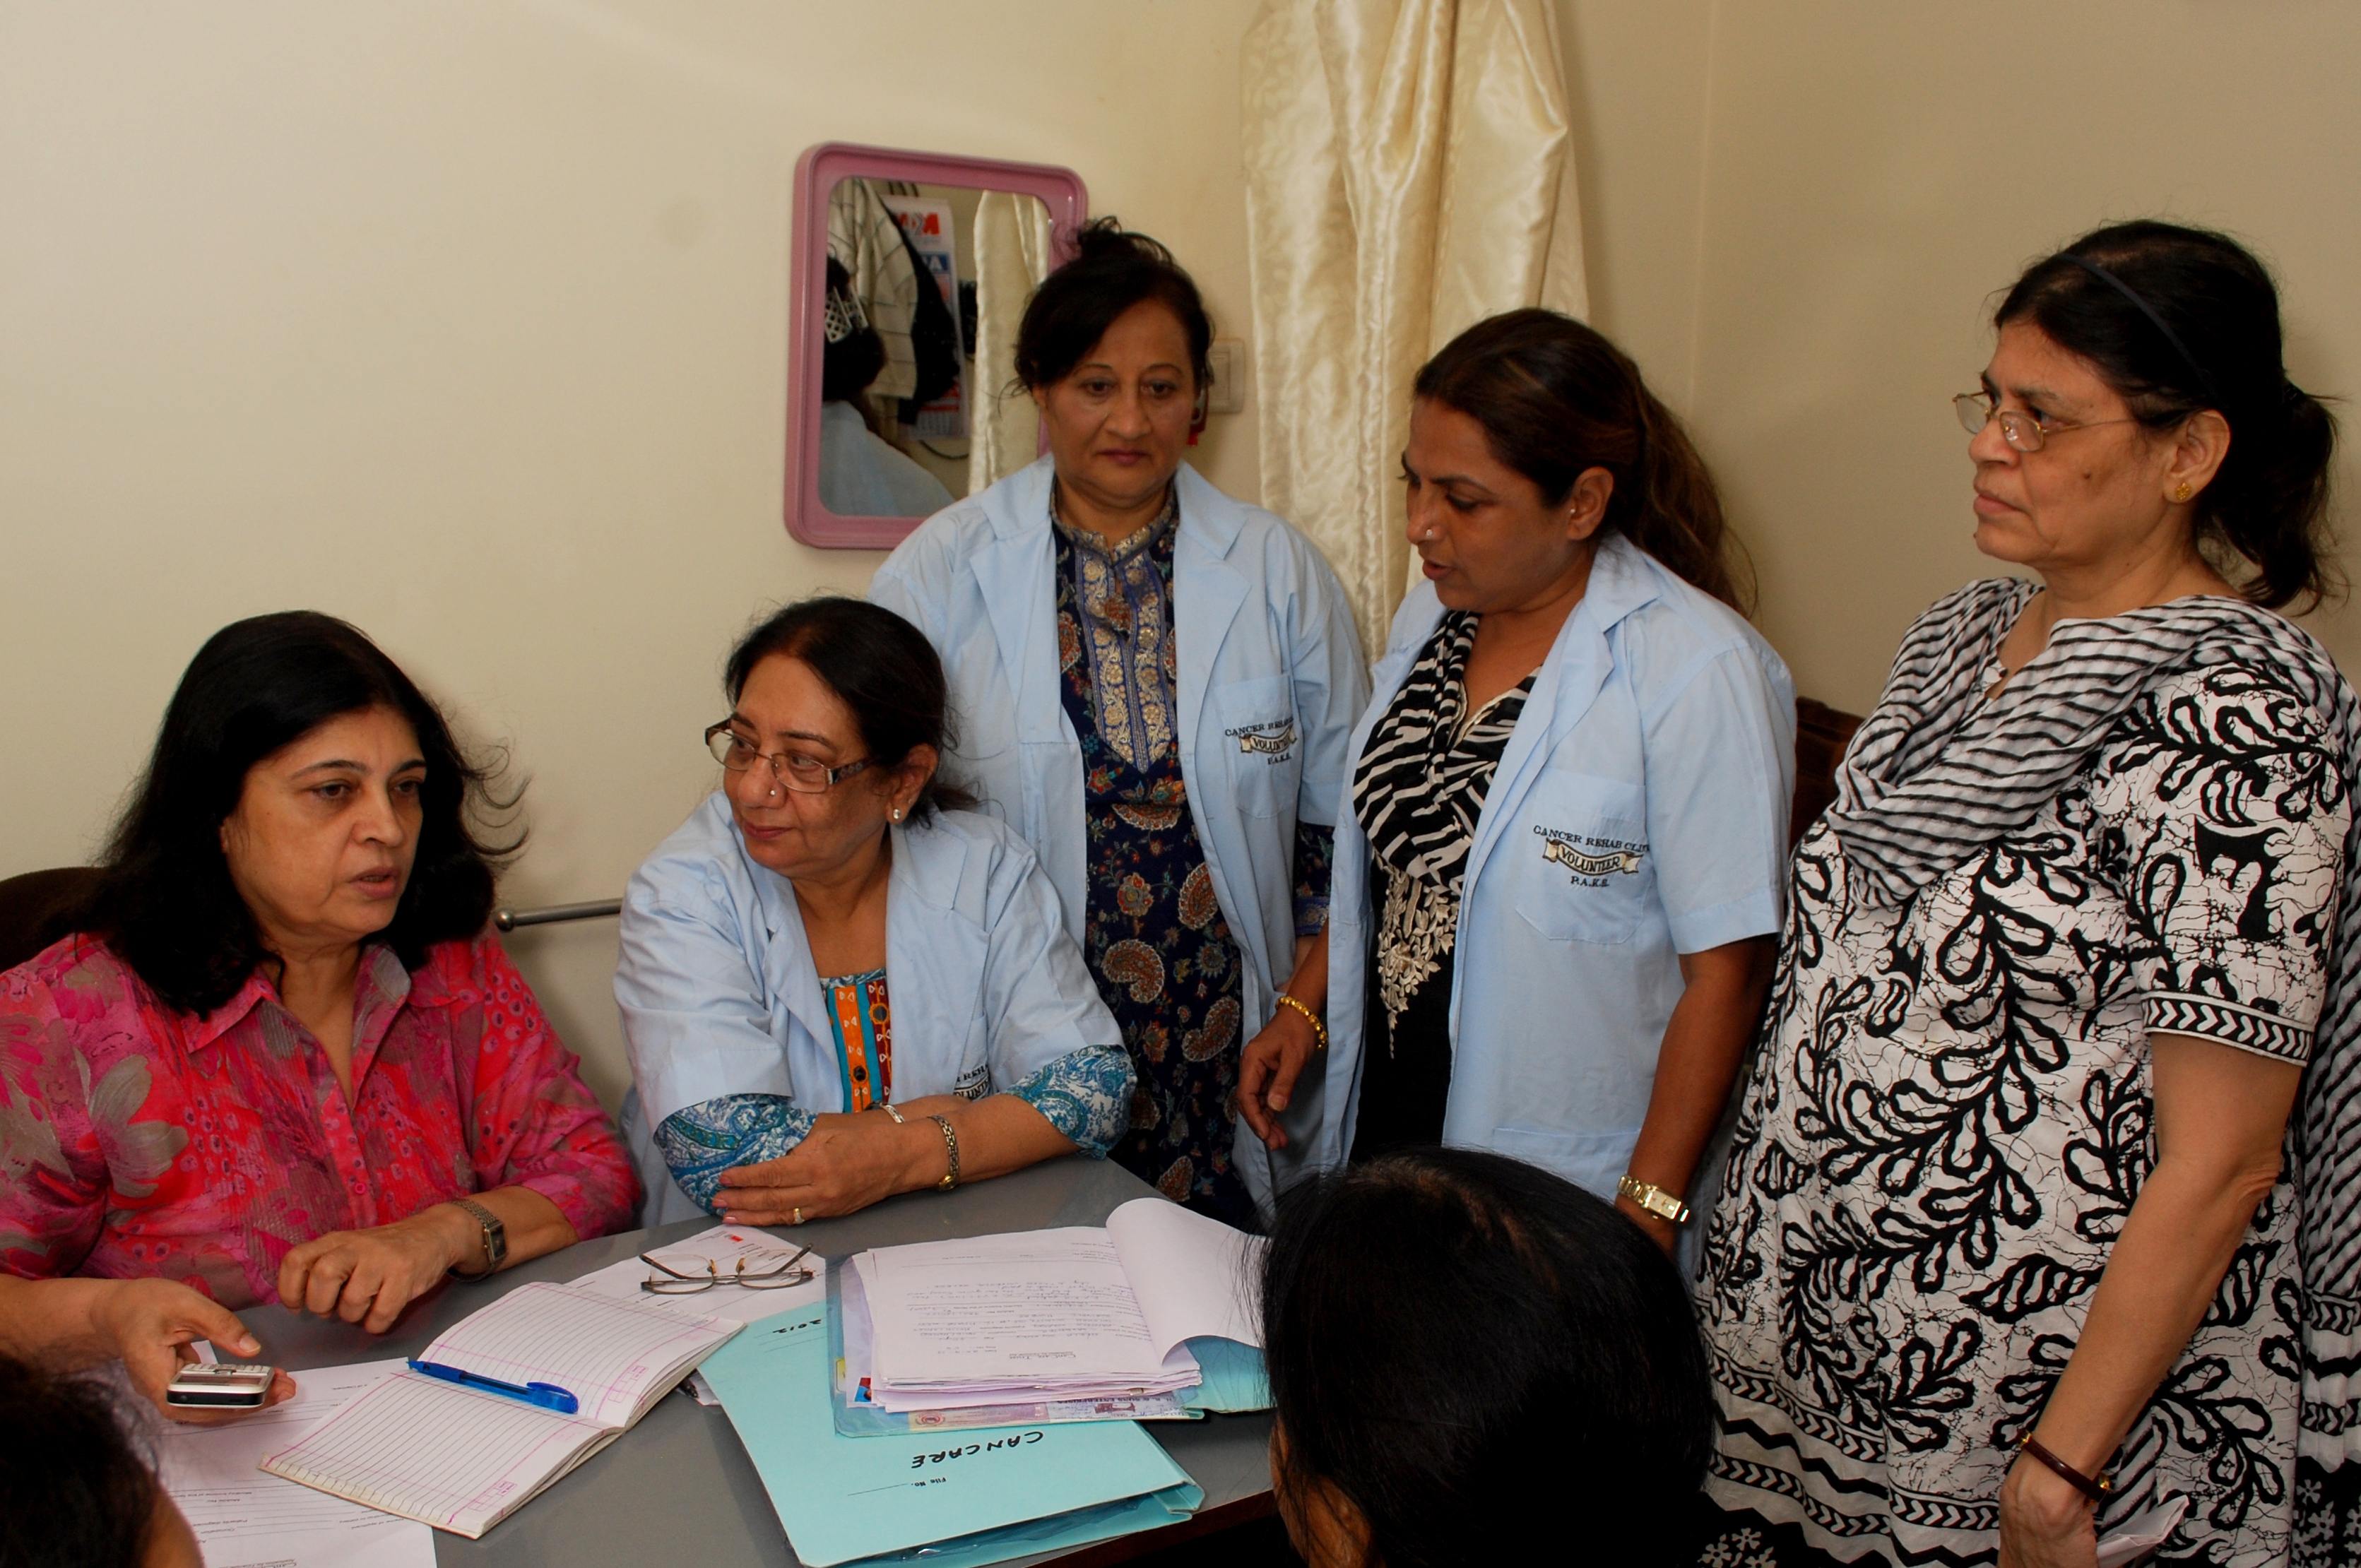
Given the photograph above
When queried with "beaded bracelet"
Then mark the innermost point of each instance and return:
(1317, 1026)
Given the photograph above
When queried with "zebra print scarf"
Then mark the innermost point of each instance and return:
(1936, 773)
(1419, 792)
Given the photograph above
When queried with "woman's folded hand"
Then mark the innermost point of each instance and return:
(368, 1277)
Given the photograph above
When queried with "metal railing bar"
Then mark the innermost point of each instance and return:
(510, 919)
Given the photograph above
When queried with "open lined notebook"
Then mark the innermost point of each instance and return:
(463, 1460)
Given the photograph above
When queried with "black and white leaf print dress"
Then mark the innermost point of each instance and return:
(1951, 1114)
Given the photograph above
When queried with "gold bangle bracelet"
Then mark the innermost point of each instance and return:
(950, 1142)
(1313, 1018)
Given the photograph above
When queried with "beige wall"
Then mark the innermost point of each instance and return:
(1799, 213)
(466, 320)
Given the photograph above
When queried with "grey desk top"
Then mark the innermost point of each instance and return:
(678, 1489)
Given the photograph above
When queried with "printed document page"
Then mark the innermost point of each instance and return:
(241, 1515)
(1033, 1307)
(1195, 1278)
(448, 1455)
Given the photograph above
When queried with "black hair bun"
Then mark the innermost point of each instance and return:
(1105, 239)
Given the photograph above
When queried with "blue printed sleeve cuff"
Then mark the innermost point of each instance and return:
(701, 1142)
(1085, 1094)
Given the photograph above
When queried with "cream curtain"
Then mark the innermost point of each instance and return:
(1410, 170)
(1012, 255)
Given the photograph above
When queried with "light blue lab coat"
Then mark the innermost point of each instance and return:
(1270, 681)
(1660, 738)
(719, 996)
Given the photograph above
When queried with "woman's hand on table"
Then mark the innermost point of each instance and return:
(368, 1277)
(149, 1323)
(2044, 1521)
(846, 1163)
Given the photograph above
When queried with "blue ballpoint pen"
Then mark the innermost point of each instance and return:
(548, 1395)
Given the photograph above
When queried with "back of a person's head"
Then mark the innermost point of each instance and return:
(1479, 1355)
(74, 1492)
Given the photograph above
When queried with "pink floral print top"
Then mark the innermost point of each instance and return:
(136, 1141)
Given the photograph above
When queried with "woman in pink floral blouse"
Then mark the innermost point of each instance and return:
(280, 1057)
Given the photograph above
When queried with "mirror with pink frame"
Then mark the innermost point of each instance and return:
(909, 273)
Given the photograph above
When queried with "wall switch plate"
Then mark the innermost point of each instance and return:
(1228, 393)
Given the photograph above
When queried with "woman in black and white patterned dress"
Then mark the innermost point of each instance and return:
(2011, 1164)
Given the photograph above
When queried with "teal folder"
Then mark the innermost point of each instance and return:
(968, 1498)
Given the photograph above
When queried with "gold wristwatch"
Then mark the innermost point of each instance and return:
(496, 1240)
(1655, 1200)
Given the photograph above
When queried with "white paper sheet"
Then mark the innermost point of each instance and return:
(724, 1245)
(243, 1517)
(1039, 1307)
(1195, 1278)
(2141, 1534)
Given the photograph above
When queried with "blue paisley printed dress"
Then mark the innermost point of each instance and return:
(1153, 933)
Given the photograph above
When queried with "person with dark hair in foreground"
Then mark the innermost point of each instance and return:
(1154, 682)
(2009, 1252)
(1558, 876)
(280, 1055)
(776, 1077)
(74, 1492)
(1473, 1361)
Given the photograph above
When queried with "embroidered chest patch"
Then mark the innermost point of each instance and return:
(1588, 859)
(1273, 741)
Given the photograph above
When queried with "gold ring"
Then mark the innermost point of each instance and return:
(800, 1216)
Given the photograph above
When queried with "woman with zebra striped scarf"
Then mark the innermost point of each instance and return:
(1558, 860)
(2019, 1247)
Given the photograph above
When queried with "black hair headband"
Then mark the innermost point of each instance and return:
(2204, 381)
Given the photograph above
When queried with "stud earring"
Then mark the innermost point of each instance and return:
(897, 814)
(2185, 491)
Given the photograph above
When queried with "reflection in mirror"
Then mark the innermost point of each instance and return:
(925, 286)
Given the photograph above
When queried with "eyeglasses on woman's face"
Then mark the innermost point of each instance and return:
(2021, 428)
(805, 775)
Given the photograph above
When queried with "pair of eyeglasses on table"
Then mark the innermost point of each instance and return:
(768, 1272)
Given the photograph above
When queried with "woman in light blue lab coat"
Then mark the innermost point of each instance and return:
(1153, 683)
(1558, 872)
(834, 988)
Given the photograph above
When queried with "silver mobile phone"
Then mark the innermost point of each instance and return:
(219, 1383)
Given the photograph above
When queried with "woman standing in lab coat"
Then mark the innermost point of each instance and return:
(1153, 683)
(1557, 876)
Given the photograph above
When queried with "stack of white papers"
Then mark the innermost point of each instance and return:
(1048, 1316)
